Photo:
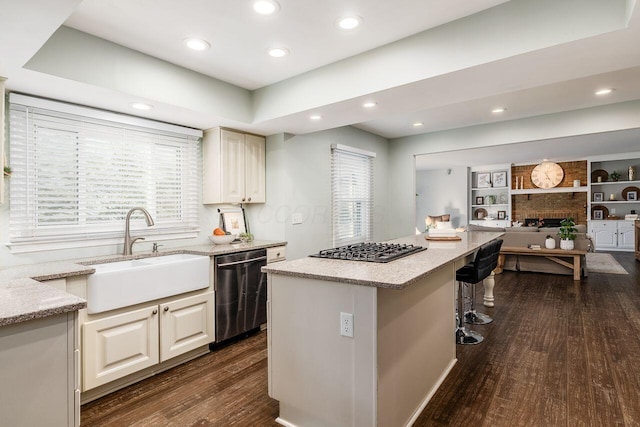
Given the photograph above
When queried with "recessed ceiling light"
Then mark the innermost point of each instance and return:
(315, 117)
(278, 52)
(417, 124)
(197, 44)
(266, 7)
(349, 22)
(369, 104)
(604, 91)
(141, 106)
(498, 110)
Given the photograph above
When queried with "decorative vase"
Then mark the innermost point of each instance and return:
(566, 244)
(550, 243)
(632, 173)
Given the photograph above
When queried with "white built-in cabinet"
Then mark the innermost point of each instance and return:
(233, 167)
(490, 196)
(612, 235)
(119, 345)
(609, 198)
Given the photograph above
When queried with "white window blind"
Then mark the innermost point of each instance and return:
(351, 194)
(75, 177)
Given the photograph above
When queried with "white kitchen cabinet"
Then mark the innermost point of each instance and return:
(612, 235)
(233, 167)
(119, 345)
(39, 360)
(116, 346)
(185, 325)
(276, 253)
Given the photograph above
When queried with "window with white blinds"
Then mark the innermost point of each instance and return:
(76, 172)
(351, 194)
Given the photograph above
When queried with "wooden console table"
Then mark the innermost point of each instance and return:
(551, 254)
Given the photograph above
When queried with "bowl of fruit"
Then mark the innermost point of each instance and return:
(220, 237)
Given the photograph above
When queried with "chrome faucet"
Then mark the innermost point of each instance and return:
(128, 241)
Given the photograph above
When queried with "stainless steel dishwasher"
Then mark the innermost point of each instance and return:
(241, 292)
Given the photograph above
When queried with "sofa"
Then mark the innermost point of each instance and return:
(525, 236)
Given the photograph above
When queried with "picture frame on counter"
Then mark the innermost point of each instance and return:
(499, 179)
(598, 197)
(598, 214)
(502, 214)
(632, 195)
(479, 200)
(234, 222)
(484, 179)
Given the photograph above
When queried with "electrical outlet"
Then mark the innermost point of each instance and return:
(346, 325)
(296, 218)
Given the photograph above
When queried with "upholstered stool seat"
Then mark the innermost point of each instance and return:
(485, 262)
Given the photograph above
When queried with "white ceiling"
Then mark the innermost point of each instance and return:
(446, 63)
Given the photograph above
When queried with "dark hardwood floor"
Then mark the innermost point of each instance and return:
(559, 353)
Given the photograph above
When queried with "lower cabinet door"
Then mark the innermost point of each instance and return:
(626, 236)
(119, 345)
(185, 325)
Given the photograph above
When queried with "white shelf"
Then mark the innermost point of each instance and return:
(495, 205)
(615, 183)
(613, 202)
(582, 189)
(489, 188)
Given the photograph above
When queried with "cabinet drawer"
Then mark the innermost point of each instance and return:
(277, 253)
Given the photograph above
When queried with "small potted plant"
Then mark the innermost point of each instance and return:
(567, 233)
(614, 176)
(7, 171)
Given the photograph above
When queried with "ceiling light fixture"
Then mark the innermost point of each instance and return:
(278, 52)
(369, 104)
(417, 124)
(266, 7)
(349, 22)
(315, 117)
(498, 110)
(141, 106)
(197, 44)
(606, 91)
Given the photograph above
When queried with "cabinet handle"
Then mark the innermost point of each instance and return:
(278, 254)
(155, 312)
(166, 309)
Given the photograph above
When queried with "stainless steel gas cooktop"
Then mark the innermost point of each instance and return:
(371, 252)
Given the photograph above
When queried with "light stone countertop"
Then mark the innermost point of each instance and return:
(397, 274)
(23, 297)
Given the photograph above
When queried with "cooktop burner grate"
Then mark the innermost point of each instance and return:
(370, 252)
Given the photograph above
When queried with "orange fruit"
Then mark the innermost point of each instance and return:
(218, 232)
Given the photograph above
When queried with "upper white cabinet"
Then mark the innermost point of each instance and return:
(233, 167)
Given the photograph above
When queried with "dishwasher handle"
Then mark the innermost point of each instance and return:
(244, 261)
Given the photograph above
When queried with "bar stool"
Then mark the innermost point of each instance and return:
(486, 260)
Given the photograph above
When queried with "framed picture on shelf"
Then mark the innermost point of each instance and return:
(484, 179)
(632, 195)
(479, 200)
(598, 214)
(502, 214)
(499, 179)
(598, 197)
(234, 222)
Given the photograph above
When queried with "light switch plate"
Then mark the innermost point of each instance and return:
(296, 218)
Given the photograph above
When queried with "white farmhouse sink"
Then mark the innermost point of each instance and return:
(125, 283)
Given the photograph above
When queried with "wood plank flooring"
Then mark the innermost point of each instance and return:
(559, 353)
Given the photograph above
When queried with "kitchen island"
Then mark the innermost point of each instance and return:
(403, 334)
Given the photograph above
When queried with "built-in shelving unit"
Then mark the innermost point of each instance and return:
(607, 207)
(490, 195)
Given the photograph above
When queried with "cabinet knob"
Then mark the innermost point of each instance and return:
(166, 309)
(249, 199)
(243, 199)
(155, 312)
